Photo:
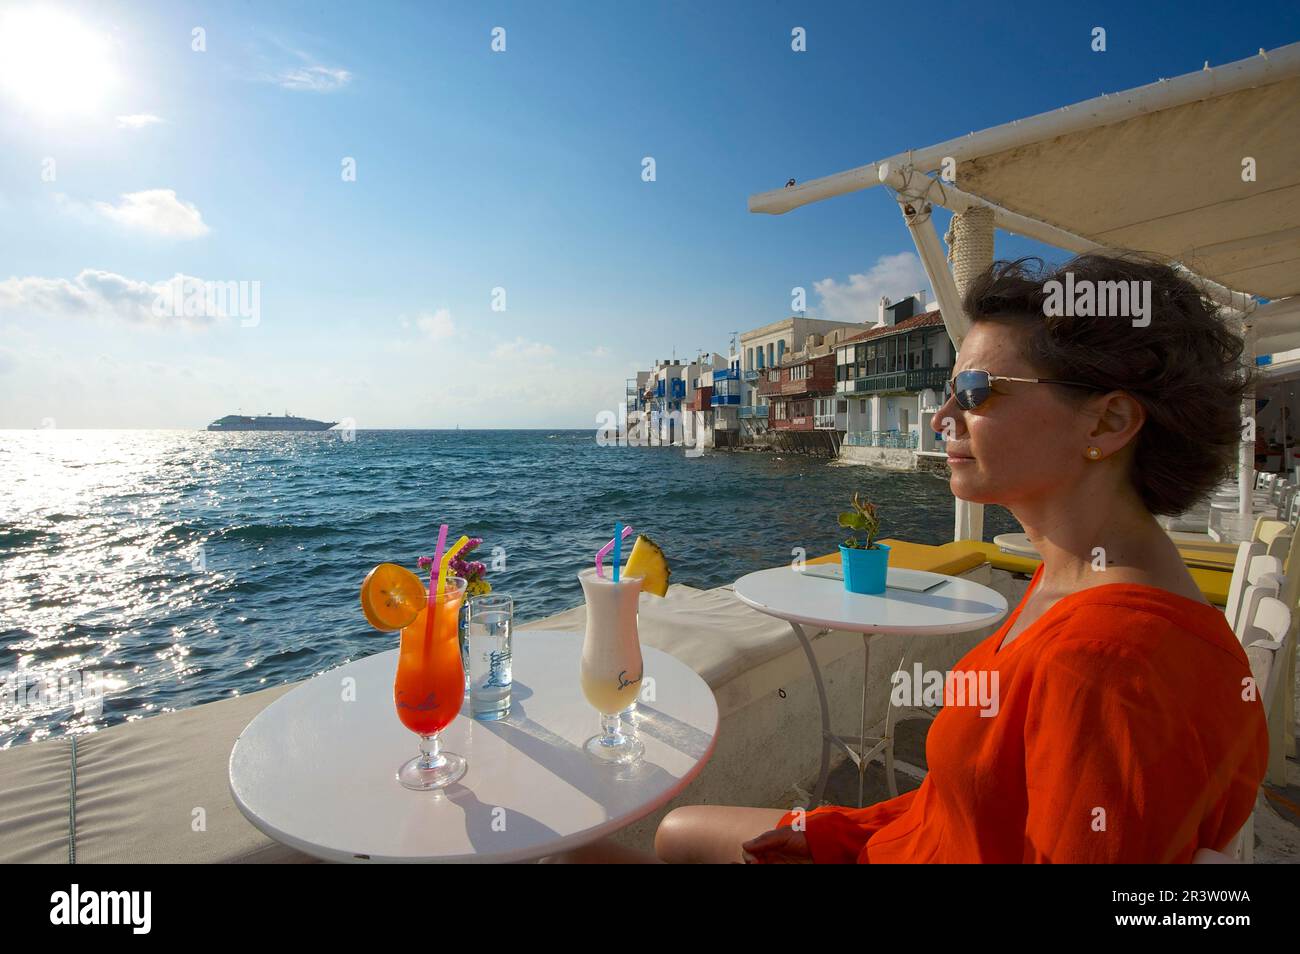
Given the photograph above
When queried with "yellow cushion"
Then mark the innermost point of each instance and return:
(961, 555)
(1011, 562)
(920, 556)
(1213, 584)
(1266, 530)
(1207, 559)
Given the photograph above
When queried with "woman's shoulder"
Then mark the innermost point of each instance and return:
(1137, 623)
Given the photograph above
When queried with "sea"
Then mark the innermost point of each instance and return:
(169, 568)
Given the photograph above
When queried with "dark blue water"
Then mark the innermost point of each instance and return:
(183, 567)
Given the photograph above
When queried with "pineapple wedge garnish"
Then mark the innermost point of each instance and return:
(647, 561)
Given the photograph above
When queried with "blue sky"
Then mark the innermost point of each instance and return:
(478, 170)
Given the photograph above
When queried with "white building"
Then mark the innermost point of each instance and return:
(893, 375)
(775, 344)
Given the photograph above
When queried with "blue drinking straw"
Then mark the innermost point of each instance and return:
(618, 547)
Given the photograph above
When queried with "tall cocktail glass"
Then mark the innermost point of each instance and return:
(611, 667)
(429, 688)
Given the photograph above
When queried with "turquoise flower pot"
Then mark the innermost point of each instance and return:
(865, 570)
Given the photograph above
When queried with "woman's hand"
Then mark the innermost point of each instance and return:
(780, 846)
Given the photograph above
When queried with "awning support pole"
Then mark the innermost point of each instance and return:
(1246, 452)
(969, 523)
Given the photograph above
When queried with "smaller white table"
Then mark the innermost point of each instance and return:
(955, 605)
(1017, 543)
(316, 768)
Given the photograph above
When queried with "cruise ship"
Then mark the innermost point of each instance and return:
(269, 422)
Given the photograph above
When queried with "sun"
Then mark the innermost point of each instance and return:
(50, 63)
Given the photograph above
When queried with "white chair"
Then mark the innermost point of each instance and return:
(1265, 586)
(1282, 717)
(1265, 641)
(1246, 551)
(1284, 500)
(1280, 545)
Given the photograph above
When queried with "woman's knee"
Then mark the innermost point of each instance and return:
(710, 834)
(673, 838)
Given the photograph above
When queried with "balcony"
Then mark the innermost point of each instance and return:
(916, 380)
(726, 400)
(752, 374)
(752, 412)
(894, 439)
(800, 422)
(824, 422)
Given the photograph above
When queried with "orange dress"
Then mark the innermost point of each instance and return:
(1126, 730)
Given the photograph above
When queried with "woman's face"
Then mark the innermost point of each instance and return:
(1026, 441)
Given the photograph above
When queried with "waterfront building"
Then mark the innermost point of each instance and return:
(768, 347)
(637, 420)
(724, 400)
(892, 377)
(669, 415)
(791, 392)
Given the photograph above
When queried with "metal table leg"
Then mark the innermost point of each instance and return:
(881, 745)
(827, 735)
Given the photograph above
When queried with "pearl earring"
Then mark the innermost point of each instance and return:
(1094, 453)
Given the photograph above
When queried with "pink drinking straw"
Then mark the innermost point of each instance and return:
(604, 551)
(433, 580)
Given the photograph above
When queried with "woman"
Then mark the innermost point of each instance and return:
(1122, 733)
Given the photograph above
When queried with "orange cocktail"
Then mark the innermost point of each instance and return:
(430, 686)
(430, 683)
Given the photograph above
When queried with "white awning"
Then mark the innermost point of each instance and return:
(1171, 182)
(1156, 169)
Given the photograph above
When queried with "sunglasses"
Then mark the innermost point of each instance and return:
(972, 388)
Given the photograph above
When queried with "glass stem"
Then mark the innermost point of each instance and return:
(611, 728)
(430, 751)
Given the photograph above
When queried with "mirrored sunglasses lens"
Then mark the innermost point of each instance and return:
(972, 389)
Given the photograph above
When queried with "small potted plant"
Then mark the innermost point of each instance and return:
(865, 563)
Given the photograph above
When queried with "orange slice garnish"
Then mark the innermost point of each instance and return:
(391, 597)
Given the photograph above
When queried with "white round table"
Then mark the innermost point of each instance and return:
(801, 598)
(317, 772)
(1017, 543)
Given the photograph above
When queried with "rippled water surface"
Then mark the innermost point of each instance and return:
(182, 567)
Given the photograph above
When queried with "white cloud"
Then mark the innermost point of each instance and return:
(157, 211)
(522, 349)
(600, 351)
(896, 276)
(137, 120)
(314, 79)
(437, 325)
(103, 295)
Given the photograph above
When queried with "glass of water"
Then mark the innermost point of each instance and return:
(491, 619)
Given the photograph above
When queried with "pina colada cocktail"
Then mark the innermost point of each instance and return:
(610, 695)
(611, 668)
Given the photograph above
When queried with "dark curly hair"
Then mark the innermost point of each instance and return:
(1184, 366)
